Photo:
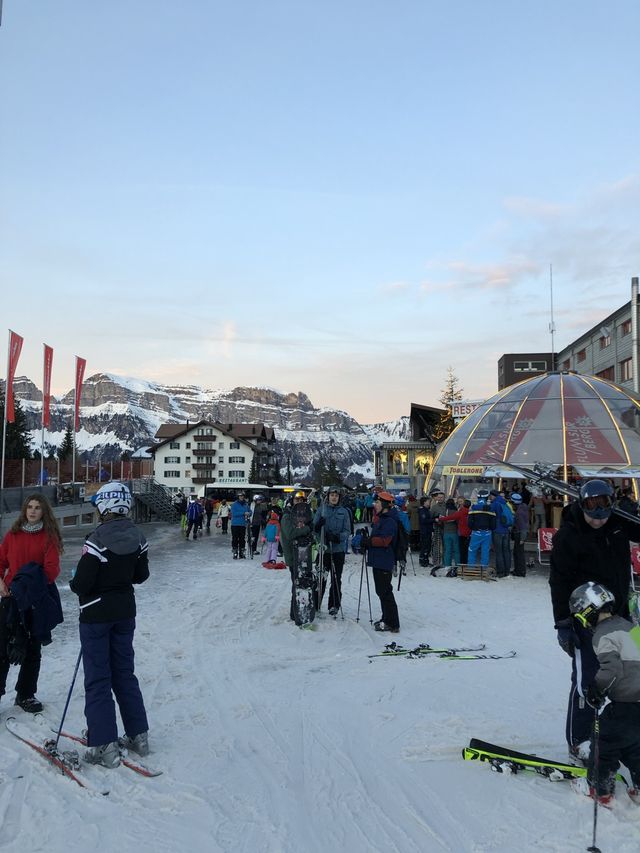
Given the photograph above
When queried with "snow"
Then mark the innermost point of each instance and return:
(280, 740)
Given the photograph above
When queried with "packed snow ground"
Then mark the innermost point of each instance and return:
(280, 740)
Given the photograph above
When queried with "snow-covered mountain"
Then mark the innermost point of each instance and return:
(119, 414)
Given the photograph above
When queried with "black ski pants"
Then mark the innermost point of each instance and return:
(519, 564)
(334, 564)
(238, 539)
(584, 667)
(619, 742)
(27, 683)
(384, 589)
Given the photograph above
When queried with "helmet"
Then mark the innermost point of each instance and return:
(483, 494)
(596, 499)
(300, 494)
(516, 498)
(112, 497)
(334, 489)
(588, 600)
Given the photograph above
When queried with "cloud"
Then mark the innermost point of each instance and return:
(228, 337)
(394, 287)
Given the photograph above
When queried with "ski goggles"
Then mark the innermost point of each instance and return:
(597, 506)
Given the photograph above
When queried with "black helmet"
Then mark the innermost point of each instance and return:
(596, 499)
(483, 494)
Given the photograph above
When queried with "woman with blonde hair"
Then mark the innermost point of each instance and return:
(34, 544)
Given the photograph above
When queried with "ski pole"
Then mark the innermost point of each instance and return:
(364, 557)
(596, 773)
(66, 705)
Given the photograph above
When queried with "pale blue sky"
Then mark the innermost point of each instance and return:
(342, 198)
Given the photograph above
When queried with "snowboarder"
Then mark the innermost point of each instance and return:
(290, 535)
(618, 678)
(114, 557)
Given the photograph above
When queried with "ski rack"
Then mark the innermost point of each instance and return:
(539, 474)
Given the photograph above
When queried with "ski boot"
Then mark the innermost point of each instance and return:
(108, 755)
(30, 704)
(382, 626)
(139, 743)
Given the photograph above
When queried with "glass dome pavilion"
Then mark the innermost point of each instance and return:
(563, 420)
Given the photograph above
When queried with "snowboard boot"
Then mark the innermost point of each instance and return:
(242, 555)
(108, 755)
(139, 743)
(333, 611)
(30, 704)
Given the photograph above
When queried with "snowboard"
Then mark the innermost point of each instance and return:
(304, 580)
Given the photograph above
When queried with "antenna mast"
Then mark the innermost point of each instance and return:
(552, 325)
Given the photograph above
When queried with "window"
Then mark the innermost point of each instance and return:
(187, 459)
(605, 341)
(169, 474)
(205, 445)
(239, 474)
(188, 445)
(626, 370)
(582, 355)
(234, 445)
(236, 459)
(625, 328)
(221, 445)
(608, 373)
(175, 460)
(174, 445)
(529, 366)
(220, 473)
(566, 364)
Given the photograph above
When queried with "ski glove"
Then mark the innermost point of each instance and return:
(595, 698)
(17, 645)
(566, 638)
(333, 537)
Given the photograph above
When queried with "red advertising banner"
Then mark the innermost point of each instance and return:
(15, 348)
(46, 386)
(80, 366)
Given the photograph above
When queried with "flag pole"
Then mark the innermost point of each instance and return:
(73, 451)
(4, 423)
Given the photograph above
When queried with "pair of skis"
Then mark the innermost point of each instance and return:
(424, 650)
(68, 761)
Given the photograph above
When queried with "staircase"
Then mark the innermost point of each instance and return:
(156, 498)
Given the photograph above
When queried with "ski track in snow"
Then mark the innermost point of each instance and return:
(286, 741)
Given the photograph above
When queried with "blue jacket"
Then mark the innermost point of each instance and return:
(499, 506)
(239, 513)
(194, 511)
(481, 517)
(426, 520)
(38, 600)
(381, 552)
(337, 522)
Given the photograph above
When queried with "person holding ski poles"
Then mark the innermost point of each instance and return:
(114, 557)
(382, 559)
(34, 540)
(592, 544)
(332, 525)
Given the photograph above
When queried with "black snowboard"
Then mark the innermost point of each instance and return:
(304, 579)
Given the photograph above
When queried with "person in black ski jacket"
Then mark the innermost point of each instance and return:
(381, 557)
(114, 557)
(592, 544)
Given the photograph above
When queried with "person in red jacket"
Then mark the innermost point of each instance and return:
(461, 517)
(33, 538)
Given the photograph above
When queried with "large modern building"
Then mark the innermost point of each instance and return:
(514, 367)
(188, 457)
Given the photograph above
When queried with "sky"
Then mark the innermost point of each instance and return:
(344, 197)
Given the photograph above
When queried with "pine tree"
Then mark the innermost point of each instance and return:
(450, 393)
(18, 445)
(253, 471)
(66, 448)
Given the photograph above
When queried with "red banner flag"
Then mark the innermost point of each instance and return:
(46, 386)
(80, 366)
(15, 348)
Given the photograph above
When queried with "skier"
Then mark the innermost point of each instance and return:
(481, 521)
(592, 544)
(336, 521)
(240, 515)
(618, 678)
(194, 517)
(34, 539)
(382, 559)
(114, 557)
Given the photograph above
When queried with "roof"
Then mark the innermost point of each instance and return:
(170, 432)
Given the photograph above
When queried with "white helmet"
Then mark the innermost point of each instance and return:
(113, 497)
(588, 600)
